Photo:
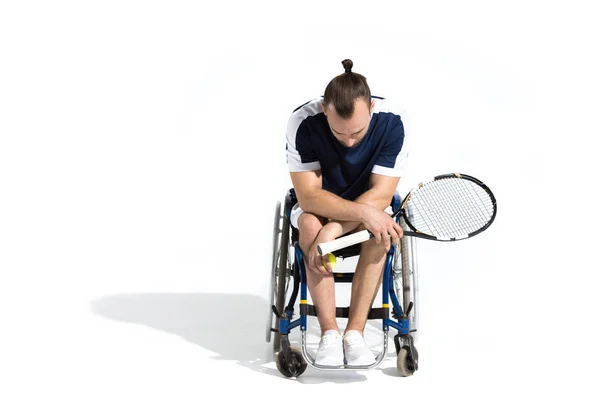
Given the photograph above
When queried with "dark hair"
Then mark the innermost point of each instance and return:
(344, 89)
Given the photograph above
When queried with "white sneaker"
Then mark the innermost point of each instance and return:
(357, 352)
(330, 352)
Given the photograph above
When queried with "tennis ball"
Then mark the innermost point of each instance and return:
(331, 259)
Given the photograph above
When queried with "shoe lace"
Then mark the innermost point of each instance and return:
(330, 340)
(353, 342)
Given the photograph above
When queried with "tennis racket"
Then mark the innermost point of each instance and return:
(447, 208)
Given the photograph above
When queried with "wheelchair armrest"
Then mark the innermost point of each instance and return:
(396, 201)
(290, 202)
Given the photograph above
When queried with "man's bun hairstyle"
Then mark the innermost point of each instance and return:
(345, 89)
(348, 64)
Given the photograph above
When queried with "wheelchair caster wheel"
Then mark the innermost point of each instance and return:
(406, 362)
(297, 367)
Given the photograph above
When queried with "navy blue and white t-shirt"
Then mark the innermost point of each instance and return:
(346, 171)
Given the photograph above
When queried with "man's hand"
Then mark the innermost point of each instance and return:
(315, 261)
(381, 225)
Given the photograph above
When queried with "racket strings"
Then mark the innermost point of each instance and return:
(463, 193)
(485, 202)
(436, 221)
(457, 222)
(443, 223)
(474, 212)
(433, 219)
(484, 205)
(449, 208)
(474, 200)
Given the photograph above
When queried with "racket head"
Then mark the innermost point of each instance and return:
(449, 207)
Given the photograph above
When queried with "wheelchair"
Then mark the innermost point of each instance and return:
(289, 277)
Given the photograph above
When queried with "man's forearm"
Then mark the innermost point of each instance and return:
(338, 228)
(329, 205)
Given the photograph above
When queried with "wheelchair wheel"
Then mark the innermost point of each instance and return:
(405, 362)
(274, 263)
(283, 273)
(279, 272)
(298, 367)
(408, 284)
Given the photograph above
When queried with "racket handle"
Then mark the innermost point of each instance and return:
(343, 242)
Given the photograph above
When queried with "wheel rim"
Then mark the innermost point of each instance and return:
(274, 261)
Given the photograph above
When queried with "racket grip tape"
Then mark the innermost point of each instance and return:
(343, 242)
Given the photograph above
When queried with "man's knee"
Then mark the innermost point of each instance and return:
(359, 228)
(309, 223)
(371, 249)
(309, 226)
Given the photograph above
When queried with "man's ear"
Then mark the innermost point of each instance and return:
(372, 106)
(323, 108)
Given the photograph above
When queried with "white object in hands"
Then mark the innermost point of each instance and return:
(343, 242)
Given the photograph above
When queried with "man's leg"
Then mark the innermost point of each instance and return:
(321, 287)
(365, 285)
(322, 291)
(367, 278)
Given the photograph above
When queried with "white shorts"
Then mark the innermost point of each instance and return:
(297, 211)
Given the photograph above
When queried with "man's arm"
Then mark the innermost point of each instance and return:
(368, 211)
(312, 198)
(379, 195)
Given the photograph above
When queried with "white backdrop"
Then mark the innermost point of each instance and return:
(142, 153)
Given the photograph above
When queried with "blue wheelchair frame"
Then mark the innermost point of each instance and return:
(287, 323)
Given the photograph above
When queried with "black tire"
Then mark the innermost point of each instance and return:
(274, 264)
(297, 358)
(409, 280)
(282, 275)
(406, 278)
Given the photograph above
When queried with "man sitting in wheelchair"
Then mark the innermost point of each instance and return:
(345, 153)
